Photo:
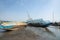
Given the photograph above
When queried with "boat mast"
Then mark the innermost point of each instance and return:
(28, 15)
(53, 20)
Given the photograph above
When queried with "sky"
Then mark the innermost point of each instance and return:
(18, 10)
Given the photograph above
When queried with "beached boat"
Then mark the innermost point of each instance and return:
(12, 26)
(9, 27)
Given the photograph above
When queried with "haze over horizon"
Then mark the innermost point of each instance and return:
(16, 10)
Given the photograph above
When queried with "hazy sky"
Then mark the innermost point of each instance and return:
(16, 10)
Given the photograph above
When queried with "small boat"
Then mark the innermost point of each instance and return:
(12, 26)
(39, 23)
(9, 27)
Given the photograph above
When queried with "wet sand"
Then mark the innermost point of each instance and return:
(28, 33)
(20, 34)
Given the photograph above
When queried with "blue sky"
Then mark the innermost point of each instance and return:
(16, 10)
